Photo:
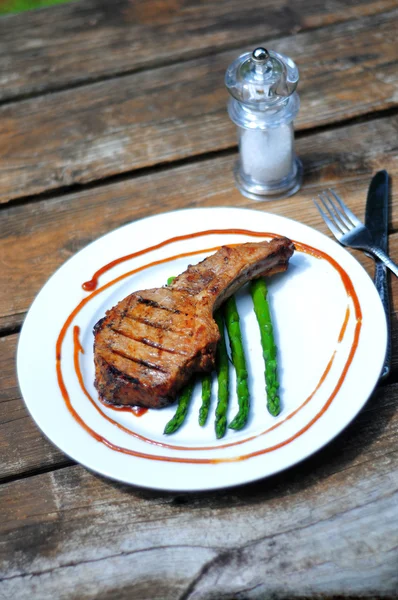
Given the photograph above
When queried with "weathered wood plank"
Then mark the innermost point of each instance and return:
(320, 528)
(38, 237)
(174, 112)
(23, 447)
(53, 48)
(8, 383)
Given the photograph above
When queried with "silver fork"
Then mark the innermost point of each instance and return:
(348, 229)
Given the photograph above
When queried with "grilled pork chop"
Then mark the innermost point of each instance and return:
(148, 346)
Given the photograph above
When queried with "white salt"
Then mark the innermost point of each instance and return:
(267, 155)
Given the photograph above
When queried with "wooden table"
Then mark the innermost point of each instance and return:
(112, 111)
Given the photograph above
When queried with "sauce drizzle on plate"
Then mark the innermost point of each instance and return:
(92, 286)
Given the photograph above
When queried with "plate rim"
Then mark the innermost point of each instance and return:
(153, 218)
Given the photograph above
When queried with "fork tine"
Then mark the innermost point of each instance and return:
(336, 232)
(342, 216)
(348, 212)
(329, 207)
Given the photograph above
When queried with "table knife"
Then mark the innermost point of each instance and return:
(376, 220)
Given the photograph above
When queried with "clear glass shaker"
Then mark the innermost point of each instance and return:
(263, 105)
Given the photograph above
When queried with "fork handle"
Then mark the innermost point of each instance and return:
(378, 252)
(381, 283)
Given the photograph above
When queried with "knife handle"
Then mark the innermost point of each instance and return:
(381, 283)
(381, 255)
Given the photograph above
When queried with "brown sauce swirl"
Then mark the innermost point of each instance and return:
(92, 286)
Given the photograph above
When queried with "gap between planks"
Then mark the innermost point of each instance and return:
(38, 471)
(205, 183)
(108, 129)
(159, 64)
(141, 39)
(54, 194)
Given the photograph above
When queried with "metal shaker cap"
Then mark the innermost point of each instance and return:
(261, 78)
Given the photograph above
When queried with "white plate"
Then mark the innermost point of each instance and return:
(310, 304)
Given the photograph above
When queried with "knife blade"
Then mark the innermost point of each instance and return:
(376, 220)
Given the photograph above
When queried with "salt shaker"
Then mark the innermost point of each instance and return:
(263, 105)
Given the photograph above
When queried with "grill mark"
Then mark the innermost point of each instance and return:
(155, 304)
(119, 373)
(98, 325)
(147, 342)
(144, 363)
(145, 321)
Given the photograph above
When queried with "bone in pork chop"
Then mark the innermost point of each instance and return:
(147, 347)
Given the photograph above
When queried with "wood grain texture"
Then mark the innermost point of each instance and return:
(38, 237)
(175, 112)
(82, 41)
(23, 448)
(8, 383)
(322, 528)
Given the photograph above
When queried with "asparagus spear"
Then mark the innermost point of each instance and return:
(206, 395)
(238, 359)
(259, 293)
(182, 409)
(222, 378)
